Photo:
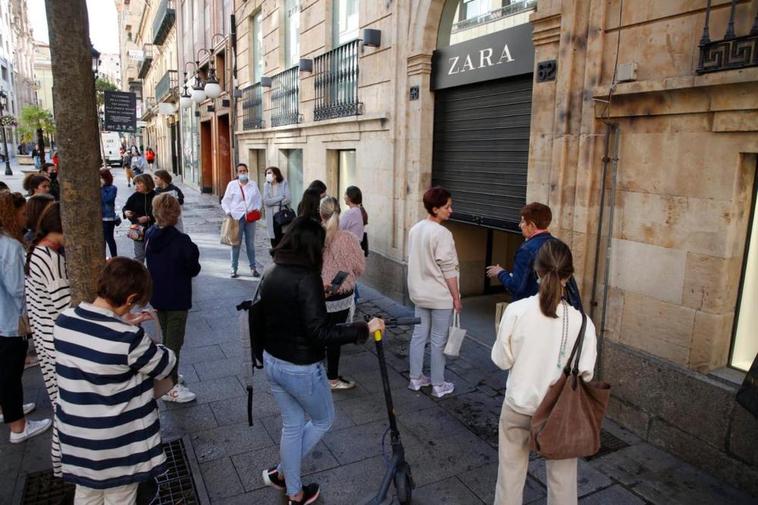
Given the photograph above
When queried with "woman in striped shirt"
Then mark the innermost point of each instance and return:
(47, 294)
(106, 414)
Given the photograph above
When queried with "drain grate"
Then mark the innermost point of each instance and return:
(608, 443)
(174, 487)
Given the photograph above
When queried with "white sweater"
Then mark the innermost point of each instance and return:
(528, 343)
(431, 260)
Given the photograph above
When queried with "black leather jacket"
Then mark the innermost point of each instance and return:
(296, 325)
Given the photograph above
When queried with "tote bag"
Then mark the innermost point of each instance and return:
(455, 337)
(230, 231)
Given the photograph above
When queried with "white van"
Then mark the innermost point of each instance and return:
(112, 148)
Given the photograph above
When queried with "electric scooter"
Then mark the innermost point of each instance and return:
(398, 470)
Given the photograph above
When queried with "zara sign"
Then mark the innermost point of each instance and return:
(501, 54)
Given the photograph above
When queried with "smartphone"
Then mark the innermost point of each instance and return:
(338, 280)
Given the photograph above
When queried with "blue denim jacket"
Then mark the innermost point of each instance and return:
(11, 285)
(522, 281)
(108, 201)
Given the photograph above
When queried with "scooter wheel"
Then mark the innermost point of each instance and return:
(404, 485)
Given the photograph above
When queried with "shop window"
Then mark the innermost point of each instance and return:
(345, 21)
(291, 33)
(745, 345)
(347, 172)
(294, 160)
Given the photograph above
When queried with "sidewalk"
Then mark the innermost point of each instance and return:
(451, 443)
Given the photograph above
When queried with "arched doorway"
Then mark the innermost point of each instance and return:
(482, 83)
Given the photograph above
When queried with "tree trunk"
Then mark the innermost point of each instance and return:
(41, 144)
(77, 142)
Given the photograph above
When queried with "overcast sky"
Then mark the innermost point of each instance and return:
(103, 26)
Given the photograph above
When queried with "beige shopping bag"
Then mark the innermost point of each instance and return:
(455, 337)
(230, 231)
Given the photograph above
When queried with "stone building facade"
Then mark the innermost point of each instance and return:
(645, 149)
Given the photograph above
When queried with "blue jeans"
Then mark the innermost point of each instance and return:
(299, 390)
(248, 231)
(435, 324)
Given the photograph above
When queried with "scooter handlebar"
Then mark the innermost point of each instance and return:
(402, 321)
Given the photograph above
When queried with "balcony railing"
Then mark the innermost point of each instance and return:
(336, 83)
(285, 97)
(148, 106)
(165, 15)
(730, 53)
(502, 12)
(167, 85)
(147, 59)
(252, 107)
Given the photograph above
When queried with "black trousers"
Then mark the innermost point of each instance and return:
(108, 227)
(333, 351)
(12, 356)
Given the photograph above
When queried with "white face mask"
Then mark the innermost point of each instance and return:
(269, 177)
(243, 177)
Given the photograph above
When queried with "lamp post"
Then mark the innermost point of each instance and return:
(3, 106)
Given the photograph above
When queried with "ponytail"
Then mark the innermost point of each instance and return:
(329, 210)
(49, 221)
(554, 264)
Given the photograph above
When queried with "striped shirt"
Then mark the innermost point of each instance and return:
(106, 415)
(47, 294)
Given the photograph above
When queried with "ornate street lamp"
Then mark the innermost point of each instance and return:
(4, 106)
(95, 60)
(185, 99)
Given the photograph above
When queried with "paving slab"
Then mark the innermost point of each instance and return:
(228, 440)
(221, 479)
(449, 491)
(589, 479)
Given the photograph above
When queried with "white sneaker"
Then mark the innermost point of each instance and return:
(443, 389)
(417, 384)
(180, 379)
(32, 429)
(179, 394)
(28, 408)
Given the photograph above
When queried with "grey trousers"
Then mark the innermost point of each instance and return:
(513, 456)
(435, 323)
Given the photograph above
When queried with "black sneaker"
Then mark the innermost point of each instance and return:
(234, 274)
(272, 479)
(254, 272)
(310, 495)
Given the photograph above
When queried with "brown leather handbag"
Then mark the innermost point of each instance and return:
(568, 420)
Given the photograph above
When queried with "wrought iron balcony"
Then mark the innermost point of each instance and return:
(165, 15)
(135, 86)
(167, 86)
(336, 83)
(493, 15)
(147, 59)
(252, 107)
(731, 52)
(285, 97)
(148, 106)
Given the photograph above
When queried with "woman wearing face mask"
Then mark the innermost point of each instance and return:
(240, 198)
(47, 295)
(276, 194)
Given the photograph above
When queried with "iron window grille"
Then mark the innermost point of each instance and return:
(336, 83)
(493, 15)
(168, 85)
(165, 15)
(285, 97)
(252, 107)
(732, 52)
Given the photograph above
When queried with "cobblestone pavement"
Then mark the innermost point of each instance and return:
(451, 443)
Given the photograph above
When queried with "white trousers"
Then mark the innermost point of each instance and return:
(513, 456)
(121, 495)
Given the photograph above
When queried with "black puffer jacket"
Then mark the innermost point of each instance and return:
(296, 325)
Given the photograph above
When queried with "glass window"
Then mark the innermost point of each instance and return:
(473, 8)
(295, 174)
(347, 172)
(256, 48)
(292, 33)
(187, 30)
(746, 326)
(345, 22)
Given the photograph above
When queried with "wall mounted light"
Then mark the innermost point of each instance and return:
(372, 38)
(265, 82)
(306, 65)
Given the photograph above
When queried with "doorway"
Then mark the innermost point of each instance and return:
(224, 152)
(174, 149)
(206, 158)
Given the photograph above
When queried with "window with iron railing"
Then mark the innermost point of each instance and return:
(336, 83)
(252, 107)
(285, 97)
(732, 52)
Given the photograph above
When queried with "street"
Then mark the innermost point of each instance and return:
(451, 443)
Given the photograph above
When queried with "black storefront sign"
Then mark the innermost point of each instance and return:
(501, 54)
(120, 112)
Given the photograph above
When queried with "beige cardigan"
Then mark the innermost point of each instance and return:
(431, 260)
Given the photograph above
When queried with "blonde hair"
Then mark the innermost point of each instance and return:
(166, 210)
(329, 209)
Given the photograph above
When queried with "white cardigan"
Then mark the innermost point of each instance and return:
(528, 343)
(233, 203)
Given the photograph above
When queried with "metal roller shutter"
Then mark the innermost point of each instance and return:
(481, 148)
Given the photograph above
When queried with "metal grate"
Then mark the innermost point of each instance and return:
(336, 83)
(608, 443)
(175, 487)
